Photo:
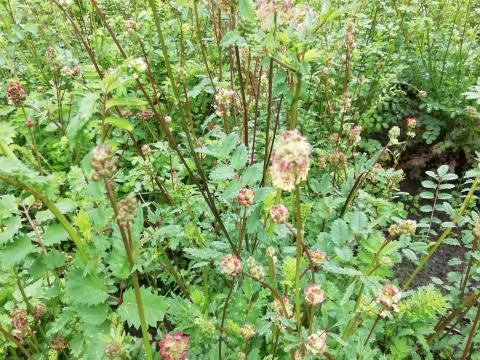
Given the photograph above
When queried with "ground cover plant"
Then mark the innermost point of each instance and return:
(239, 179)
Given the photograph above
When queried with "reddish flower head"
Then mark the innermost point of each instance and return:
(318, 257)
(245, 197)
(314, 294)
(174, 346)
(231, 265)
(290, 161)
(279, 214)
(15, 93)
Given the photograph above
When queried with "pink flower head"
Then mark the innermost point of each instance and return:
(314, 294)
(317, 342)
(174, 346)
(411, 122)
(245, 197)
(231, 265)
(318, 257)
(278, 308)
(389, 298)
(354, 134)
(279, 214)
(15, 93)
(290, 161)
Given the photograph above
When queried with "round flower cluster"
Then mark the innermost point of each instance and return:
(393, 135)
(245, 197)
(270, 251)
(317, 342)
(411, 124)
(349, 36)
(103, 162)
(322, 162)
(15, 93)
(290, 161)
(145, 114)
(29, 123)
(247, 331)
(277, 307)
(257, 272)
(314, 294)
(51, 54)
(114, 350)
(126, 210)
(174, 346)
(405, 227)
(223, 99)
(231, 265)
(354, 134)
(130, 26)
(389, 298)
(19, 323)
(337, 158)
(137, 65)
(279, 214)
(39, 310)
(58, 343)
(318, 257)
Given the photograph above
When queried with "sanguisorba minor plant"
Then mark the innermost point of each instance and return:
(185, 179)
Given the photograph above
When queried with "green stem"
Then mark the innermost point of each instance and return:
(77, 240)
(294, 105)
(468, 345)
(136, 285)
(299, 237)
(16, 342)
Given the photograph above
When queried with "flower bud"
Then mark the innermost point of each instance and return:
(29, 123)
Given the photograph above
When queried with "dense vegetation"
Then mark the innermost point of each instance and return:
(239, 179)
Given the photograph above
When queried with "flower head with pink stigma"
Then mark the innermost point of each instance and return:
(317, 342)
(314, 294)
(290, 161)
(279, 214)
(318, 257)
(278, 308)
(174, 346)
(245, 197)
(231, 265)
(389, 298)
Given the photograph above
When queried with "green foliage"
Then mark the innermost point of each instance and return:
(182, 216)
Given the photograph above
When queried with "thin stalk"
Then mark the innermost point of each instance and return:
(136, 285)
(299, 239)
(16, 342)
(294, 105)
(468, 345)
(444, 234)
(224, 314)
(242, 95)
